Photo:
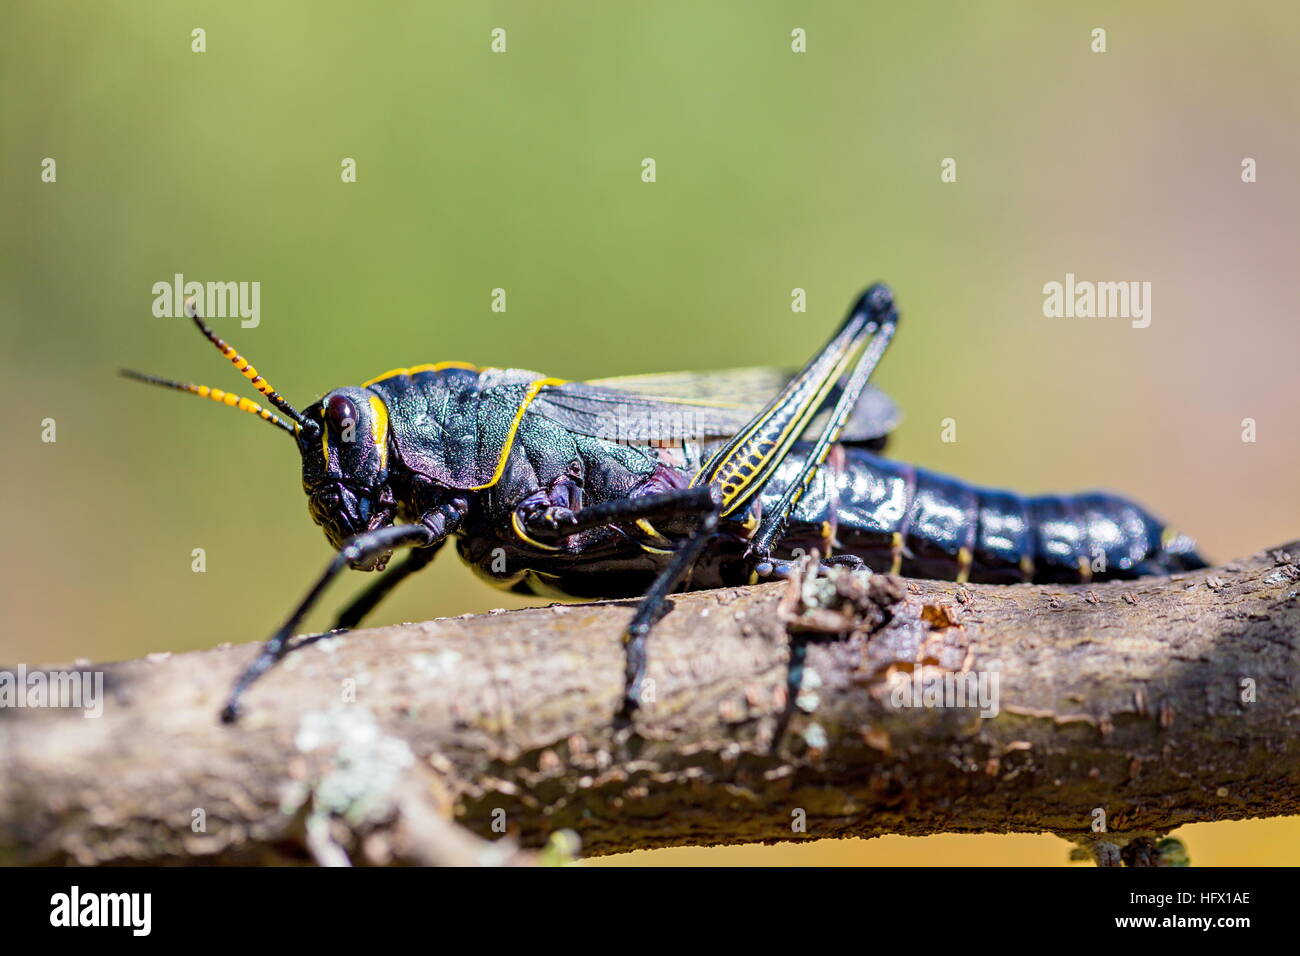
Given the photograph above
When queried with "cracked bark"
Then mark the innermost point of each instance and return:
(1155, 703)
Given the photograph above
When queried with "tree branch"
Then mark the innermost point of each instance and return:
(1144, 705)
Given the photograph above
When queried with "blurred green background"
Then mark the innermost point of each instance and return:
(522, 170)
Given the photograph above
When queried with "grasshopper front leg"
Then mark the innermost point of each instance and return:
(359, 549)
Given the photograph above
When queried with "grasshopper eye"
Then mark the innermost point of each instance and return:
(340, 413)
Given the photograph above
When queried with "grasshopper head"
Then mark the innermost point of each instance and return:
(343, 440)
(345, 466)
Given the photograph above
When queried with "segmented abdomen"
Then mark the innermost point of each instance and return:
(921, 524)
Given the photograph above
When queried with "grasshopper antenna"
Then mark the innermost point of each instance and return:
(247, 370)
(216, 395)
(296, 421)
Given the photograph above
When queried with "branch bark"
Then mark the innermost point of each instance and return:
(1144, 705)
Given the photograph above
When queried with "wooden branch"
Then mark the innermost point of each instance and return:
(1144, 705)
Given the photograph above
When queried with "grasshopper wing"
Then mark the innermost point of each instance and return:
(677, 406)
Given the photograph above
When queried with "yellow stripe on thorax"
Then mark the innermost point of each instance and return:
(415, 369)
(531, 394)
(379, 430)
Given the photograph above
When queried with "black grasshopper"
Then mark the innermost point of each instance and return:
(644, 485)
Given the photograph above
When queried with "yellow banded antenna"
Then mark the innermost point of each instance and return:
(245, 369)
(216, 395)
